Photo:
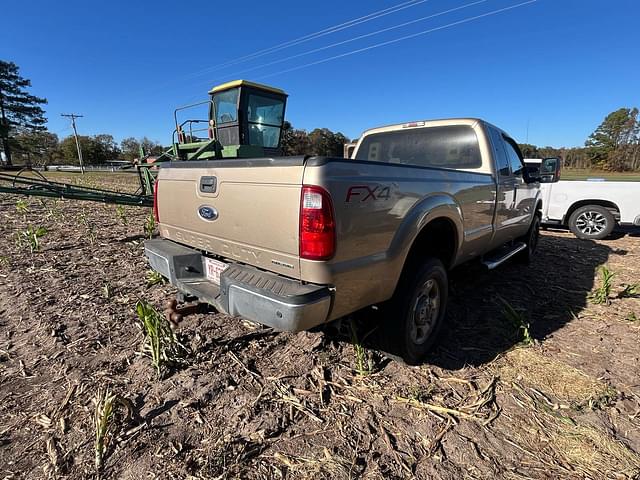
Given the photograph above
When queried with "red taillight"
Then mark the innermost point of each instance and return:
(317, 224)
(155, 201)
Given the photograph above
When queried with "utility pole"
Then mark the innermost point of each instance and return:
(73, 117)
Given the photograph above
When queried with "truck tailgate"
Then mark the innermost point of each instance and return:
(239, 210)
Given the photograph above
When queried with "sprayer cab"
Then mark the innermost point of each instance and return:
(247, 113)
(245, 120)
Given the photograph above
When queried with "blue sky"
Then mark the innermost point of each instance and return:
(556, 66)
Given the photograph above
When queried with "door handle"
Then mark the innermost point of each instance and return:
(208, 184)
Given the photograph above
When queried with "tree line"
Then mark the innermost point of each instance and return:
(614, 145)
(45, 148)
(40, 148)
(320, 141)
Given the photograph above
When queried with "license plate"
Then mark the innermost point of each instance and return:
(214, 268)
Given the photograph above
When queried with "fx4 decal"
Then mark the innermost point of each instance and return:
(362, 193)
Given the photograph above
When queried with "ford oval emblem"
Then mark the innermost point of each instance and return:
(207, 213)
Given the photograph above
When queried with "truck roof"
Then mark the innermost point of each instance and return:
(424, 123)
(247, 83)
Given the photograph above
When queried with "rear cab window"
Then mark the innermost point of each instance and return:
(451, 146)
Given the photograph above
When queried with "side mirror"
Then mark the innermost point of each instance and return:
(532, 174)
(550, 170)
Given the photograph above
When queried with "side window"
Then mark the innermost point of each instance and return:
(226, 106)
(498, 149)
(517, 167)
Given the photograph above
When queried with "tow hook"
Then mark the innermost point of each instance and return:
(175, 314)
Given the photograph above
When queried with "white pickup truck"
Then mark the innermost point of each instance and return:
(590, 208)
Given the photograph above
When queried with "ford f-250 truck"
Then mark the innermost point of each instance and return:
(294, 242)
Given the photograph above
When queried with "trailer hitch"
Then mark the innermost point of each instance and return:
(175, 314)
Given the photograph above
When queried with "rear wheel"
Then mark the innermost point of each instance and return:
(591, 222)
(531, 240)
(414, 316)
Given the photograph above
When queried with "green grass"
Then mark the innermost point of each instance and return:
(630, 291)
(160, 341)
(32, 237)
(103, 416)
(602, 294)
(150, 226)
(363, 365)
(121, 213)
(154, 278)
(585, 173)
(53, 209)
(110, 414)
(519, 321)
(90, 227)
(22, 207)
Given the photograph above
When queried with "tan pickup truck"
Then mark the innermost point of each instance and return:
(294, 242)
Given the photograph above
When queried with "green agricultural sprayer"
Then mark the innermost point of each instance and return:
(245, 120)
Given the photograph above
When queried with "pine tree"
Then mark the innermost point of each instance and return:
(19, 110)
(613, 140)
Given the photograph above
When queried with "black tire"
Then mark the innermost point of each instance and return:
(591, 222)
(413, 318)
(531, 240)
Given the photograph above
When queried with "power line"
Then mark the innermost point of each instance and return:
(73, 117)
(406, 37)
(297, 41)
(359, 37)
(312, 36)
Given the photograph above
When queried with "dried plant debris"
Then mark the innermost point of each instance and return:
(567, 386)
(87, 390)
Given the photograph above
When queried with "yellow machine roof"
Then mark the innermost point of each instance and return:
(239, 83)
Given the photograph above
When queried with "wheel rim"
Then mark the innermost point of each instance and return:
(424, 311)
(591, 223)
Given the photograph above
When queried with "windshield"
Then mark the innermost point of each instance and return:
(265, 110)
(265, 115)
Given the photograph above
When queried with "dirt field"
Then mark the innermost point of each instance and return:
(251, 403)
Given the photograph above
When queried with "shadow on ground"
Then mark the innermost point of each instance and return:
(549, 293)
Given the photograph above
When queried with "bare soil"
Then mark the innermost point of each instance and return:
(248, 402)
